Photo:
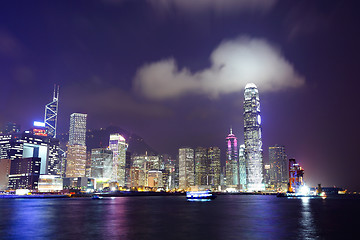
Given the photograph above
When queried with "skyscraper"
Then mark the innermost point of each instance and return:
(215, 168)
(232, 160)
(118, 146)
(186, 168)
(76, 149)
(101, 164)
(279, 169)
(201, 166)
(242, 167)
(77, 132)
(253, 140)
(51, 112)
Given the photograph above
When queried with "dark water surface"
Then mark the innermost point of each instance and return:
(227, 217)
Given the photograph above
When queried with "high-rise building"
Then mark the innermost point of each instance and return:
(51, 112)
(101, 164)
(232, 160)
(118, 146)
(4, 173)
(77, 132)
(186, 168)
(215, 168)
(253, 140)
(242, 167)
(201, 166)
(24, 173)
(76, 149)
(279, 169)
(28, 145)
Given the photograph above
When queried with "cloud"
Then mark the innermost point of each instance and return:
(234, 63)
(218, 6)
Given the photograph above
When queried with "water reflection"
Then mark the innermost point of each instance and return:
(307, 229)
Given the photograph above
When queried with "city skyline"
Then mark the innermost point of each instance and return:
(109, 57)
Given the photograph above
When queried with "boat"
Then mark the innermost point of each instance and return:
(200, 195)
(96, 197)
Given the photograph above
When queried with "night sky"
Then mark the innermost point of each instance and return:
(174, 72)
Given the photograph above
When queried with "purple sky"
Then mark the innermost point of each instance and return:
(174, 71)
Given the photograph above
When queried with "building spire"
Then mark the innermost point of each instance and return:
(231, 130)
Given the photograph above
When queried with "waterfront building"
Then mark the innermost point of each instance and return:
(155, 179)
(279, 169)
(253, 139)
(186, 168)
(201, 166)
(76, 149)
(118, 146)
(75, 161)
(5, 165)
(242, 167)
(215, 167)
(24, 173)
(101, 164)
(51, 112)
(50, 183)
(232, 160)
(28, 145)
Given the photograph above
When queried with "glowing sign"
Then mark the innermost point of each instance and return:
(39, 124)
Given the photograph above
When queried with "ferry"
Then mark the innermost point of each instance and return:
(200, 195)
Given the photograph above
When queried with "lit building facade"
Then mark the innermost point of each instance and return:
(201, 166)
(24, 173)
(77, 132)
(242, 167)
(232, 160)
(101, 164)
(186, 168)
(253, 139)
(279, 169)
(76, 149)
(51, 112)
(28, 145)
(118, 146)
(4, 173)
(215, 167)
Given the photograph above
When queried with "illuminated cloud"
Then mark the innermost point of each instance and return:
(212, 5)
(234, 63)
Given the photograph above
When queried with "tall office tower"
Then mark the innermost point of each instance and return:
(232, 160)
(242, 167)
(51, 112)
(77, 132)
(138, 170)
(101, 164)
(118, 146)
(76, 149)
(201, 166)
(252, 137)
(186, 168)
(279, 169)
(215, 168)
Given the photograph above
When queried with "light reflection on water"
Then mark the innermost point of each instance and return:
(227, 217)
(307, 230)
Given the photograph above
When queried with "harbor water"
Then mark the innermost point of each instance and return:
(172, 217)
